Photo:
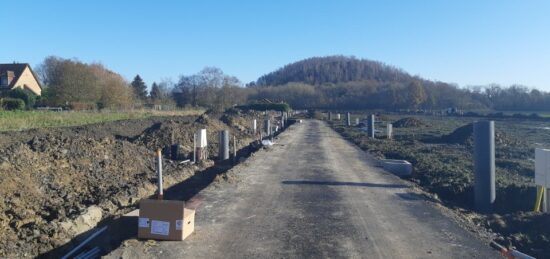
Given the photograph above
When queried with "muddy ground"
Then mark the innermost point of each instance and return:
(441, 151)
(59, 183)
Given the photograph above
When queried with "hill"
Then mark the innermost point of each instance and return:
(339, 82)
(333, 69)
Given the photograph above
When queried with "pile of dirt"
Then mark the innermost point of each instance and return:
(50, 181)
(162, 135)
(408, 123)
(464, 135)
(58, 183)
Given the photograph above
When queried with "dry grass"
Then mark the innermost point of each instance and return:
(21, 120)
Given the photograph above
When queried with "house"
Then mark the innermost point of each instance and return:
(19, 75)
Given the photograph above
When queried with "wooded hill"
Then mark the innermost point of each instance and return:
(339, 82)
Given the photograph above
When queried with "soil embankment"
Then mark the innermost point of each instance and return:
(58, 183)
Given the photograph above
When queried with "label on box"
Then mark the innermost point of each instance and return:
(160, 227)
(179, 224)
(143, 222)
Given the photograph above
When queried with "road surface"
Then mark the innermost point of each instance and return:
(315, 195)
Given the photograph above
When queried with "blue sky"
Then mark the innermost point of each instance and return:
(463, 42)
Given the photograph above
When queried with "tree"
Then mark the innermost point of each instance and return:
(140, 88)
(417, 95)
(69, 82)
(155, 93)
(209, 88)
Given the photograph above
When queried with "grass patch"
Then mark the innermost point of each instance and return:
(22, 120)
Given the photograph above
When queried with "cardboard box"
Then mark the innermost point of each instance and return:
(165, 220)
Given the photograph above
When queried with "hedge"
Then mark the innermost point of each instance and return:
(12, 104)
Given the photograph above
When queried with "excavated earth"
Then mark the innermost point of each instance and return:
(59, 183)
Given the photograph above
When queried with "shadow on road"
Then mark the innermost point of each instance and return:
(380, 185)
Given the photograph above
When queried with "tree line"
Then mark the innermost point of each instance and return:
(335, 82)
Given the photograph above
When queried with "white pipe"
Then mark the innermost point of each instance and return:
(87, 240)
(520, 255)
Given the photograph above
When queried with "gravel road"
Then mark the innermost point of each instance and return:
(315, 195)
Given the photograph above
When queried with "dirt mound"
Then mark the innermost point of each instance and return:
(464, 135)
(163, 134)
(50, 178)
(50, 181)
(408, 123)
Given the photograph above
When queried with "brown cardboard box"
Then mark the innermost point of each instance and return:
(165, 220)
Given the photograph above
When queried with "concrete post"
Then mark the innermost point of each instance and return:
(234, 149)
(160, 191)
(254, 127)
(370, 128)
(348, 119)
(195, 148)
(546, 201)
(223, 153)
(356, 121)
(389, 130)
(267, 127)
(329, 116)
(338, 116)
(484, 165)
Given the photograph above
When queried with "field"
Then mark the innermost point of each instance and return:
(21, 120)
(441, 150)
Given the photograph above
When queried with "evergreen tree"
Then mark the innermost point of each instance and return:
(155, 93)
(140, 88)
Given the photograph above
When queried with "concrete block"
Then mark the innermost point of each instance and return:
(397, 167)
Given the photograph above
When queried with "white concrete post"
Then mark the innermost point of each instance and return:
(160, 191)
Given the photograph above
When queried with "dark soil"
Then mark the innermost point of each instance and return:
(49, 178)
(442, 156)
(464, 135)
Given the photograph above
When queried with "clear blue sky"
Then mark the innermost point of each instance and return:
(464, 42)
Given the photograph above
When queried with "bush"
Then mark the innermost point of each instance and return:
(519, 115)
(265, 106)
(534, 116)
(472, 114)
(82, 106)
(28, 97)
(12, 104)
(496, 115)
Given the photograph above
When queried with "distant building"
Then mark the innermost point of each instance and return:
(19, 75)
